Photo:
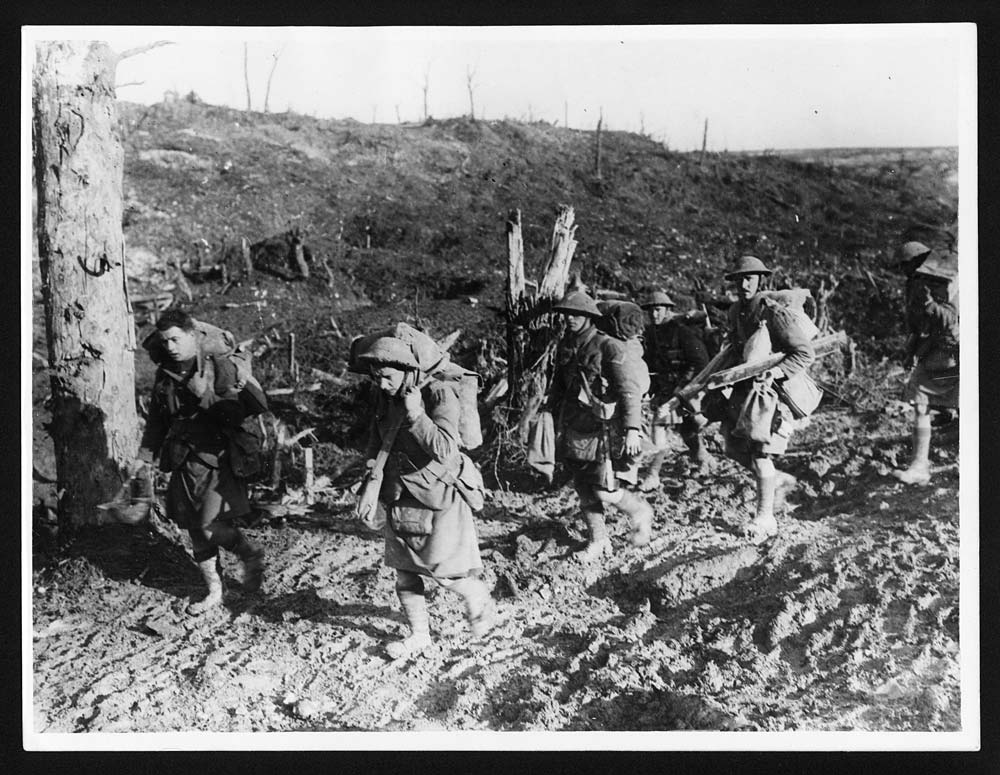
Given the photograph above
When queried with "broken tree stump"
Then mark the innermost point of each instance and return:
(533, 331)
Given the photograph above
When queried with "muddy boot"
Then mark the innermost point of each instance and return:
(763, 525)
(479, 607)
(919, 471)
(210, 571)
(652, 480)
(598, 542)
(253, 564)
(415, 608)
(640, 515)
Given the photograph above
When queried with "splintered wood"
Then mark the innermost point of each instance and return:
(553, 284)
(532, 331)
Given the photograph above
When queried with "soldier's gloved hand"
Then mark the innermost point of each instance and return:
(413, 402)
(633, 442)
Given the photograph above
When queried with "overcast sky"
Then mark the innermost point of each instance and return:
(759, 87)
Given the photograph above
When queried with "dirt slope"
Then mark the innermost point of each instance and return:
(848, 620)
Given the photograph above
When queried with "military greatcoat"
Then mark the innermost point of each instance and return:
(421, 471)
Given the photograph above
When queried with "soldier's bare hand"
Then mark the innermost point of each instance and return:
(413, 402)
(198, 384)
(633, 442)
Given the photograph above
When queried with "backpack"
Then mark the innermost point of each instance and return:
(252, 396)
(465, 385)
(625, 321)
(432, 362)
(800, 393)
(621, 319)
(218, 343)
(787, 309)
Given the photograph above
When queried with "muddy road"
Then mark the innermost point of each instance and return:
(848, 620)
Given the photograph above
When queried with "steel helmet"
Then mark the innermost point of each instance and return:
(748, 265)
(655, 299)
(577, 303)
(389, 351)
(944, 267)
(910, 250)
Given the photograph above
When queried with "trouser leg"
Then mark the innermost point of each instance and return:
(479, 607)
(208, 539)
(919, 471)
(690, 431)
(211, 573)
(592, 511)
(763, 524)
(640, 515)
(652, 478)
(413, 600)
(737, 448)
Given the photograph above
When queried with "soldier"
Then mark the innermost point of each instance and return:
(674, 354)
(430, 533)
(752, 311)
(932, 317)
(596, 398)
(196, 406)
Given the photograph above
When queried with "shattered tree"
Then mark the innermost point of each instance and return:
(88, 325)
(532, 333)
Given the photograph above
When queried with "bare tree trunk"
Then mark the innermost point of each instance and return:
(427, 85)
(300, 258)
(532, 331)
(469, 75)
(267, 93)
(88, 325)
(825, 291)
(566, 114)
(246, 75)
(553, 284)
(597, 152)
(516, 302)
(704, 143)
(399, 120)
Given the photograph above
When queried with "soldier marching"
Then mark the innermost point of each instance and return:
(621, 385)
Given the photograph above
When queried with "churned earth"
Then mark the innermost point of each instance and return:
(847, 620)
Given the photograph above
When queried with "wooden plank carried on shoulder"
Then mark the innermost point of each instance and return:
(712, 379)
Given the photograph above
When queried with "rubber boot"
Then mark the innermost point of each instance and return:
(640, 515)
(652, 480)
(479, 607)
(210, 571)
(597, 533)
(919, 471)
(763, 524)
(253, 563)
(415, 609)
